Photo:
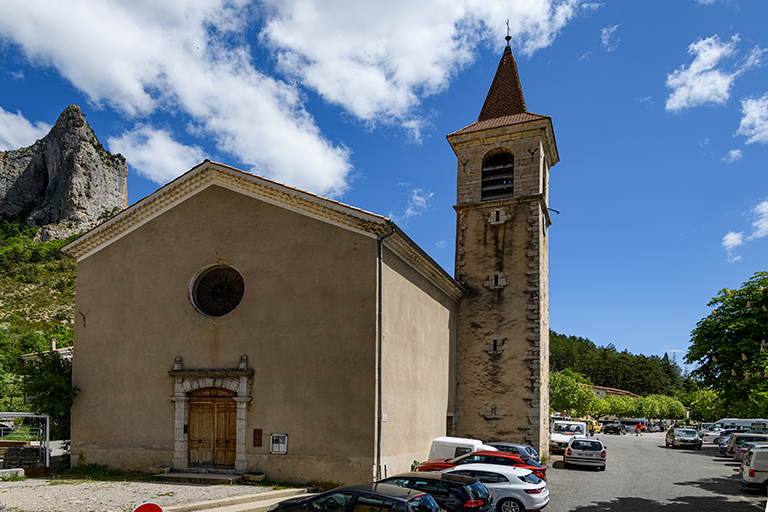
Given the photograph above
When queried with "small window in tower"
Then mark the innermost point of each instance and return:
(498, 173)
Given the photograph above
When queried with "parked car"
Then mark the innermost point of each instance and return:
(523, 450)
(743, 449)
(709, 436)
(450, 447)
(497, 457)
(615, 428)
(738, 439)
(563, 431)
(585, 452)
(754, 469)
(683, 437)
(455, 493)
(513, 489)
(724, 433)
(374, 496)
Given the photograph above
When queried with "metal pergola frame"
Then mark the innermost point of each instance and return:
(4, 415)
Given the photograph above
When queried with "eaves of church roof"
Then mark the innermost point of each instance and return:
(312, 205)
(498, 122)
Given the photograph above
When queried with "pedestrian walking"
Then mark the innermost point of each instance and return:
(638, 430)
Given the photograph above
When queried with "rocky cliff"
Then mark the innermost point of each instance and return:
(65, 181)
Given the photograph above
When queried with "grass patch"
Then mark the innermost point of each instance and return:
(14, 478)
(277, 485)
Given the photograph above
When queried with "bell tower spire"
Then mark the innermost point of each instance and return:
(502, 258)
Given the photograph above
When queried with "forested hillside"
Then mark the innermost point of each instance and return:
(606, 366)
(37, 297)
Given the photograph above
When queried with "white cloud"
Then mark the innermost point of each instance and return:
(759, 215)
(706, 2)
(701, 83)
(730, 241)
(732, 156)
(16, 132)
(442, 244)
(606, 36)
(155, 154)
(188, 57)
(378, 60)
(191, 58)
(418, 201)
(754, 121)
(760, 223)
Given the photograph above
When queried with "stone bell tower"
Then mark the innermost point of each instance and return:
(502, 368)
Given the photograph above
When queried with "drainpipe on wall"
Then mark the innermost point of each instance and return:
(380, 349)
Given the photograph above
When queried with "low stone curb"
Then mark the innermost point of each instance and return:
(238, 500)
(4, 473)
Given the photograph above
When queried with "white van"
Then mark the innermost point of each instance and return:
(450, 447)
(564, 431)
(754, 469)
(740, 423)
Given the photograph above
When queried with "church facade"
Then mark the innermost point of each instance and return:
(228, 322)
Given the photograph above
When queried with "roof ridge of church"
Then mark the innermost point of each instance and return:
(505, 97)
(307, 203)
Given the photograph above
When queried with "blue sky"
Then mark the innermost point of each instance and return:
(660, 112)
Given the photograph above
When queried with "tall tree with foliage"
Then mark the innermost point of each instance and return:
(47, 383)
(729, 347)
(567, 396)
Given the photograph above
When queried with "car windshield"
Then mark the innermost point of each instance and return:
(686, 433)
(587, 445)
(460, 458)
(569, 427)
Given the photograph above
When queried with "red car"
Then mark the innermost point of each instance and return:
(501, 458)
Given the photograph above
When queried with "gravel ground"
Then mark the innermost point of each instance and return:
(75, 496)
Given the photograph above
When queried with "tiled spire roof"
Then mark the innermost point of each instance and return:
(505, 98)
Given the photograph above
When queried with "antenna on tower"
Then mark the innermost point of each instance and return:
(509, 37)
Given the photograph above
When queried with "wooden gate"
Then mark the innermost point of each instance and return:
(212, 432)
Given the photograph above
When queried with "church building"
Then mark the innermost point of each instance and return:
(227, 322)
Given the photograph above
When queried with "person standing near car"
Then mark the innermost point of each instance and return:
(638, 430)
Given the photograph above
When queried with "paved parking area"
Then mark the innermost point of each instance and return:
(643, 475)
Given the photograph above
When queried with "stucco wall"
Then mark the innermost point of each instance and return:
(307, 323)
(418, 349)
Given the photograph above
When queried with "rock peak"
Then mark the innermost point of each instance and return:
(66, 178)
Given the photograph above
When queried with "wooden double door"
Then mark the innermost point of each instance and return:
(212, 428)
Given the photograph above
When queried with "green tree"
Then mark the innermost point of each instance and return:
(567, 396)
(729, 347)
(705, 405)
(47, 383)
(619, 406)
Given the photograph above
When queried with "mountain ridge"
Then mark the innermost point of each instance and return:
(66, 182)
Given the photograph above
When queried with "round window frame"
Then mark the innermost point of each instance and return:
(199, 276)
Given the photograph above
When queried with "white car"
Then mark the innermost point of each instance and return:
(709, 436)
(513, 489)
(584, 451)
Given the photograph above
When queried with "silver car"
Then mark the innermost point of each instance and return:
(584, 451)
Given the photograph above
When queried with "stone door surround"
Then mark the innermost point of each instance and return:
(186, 381)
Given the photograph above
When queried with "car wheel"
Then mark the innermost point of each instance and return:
(510, 505)
(566, 465)
(765, 488)
(601, 468)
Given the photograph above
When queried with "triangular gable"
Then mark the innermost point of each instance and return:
(210, 173)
